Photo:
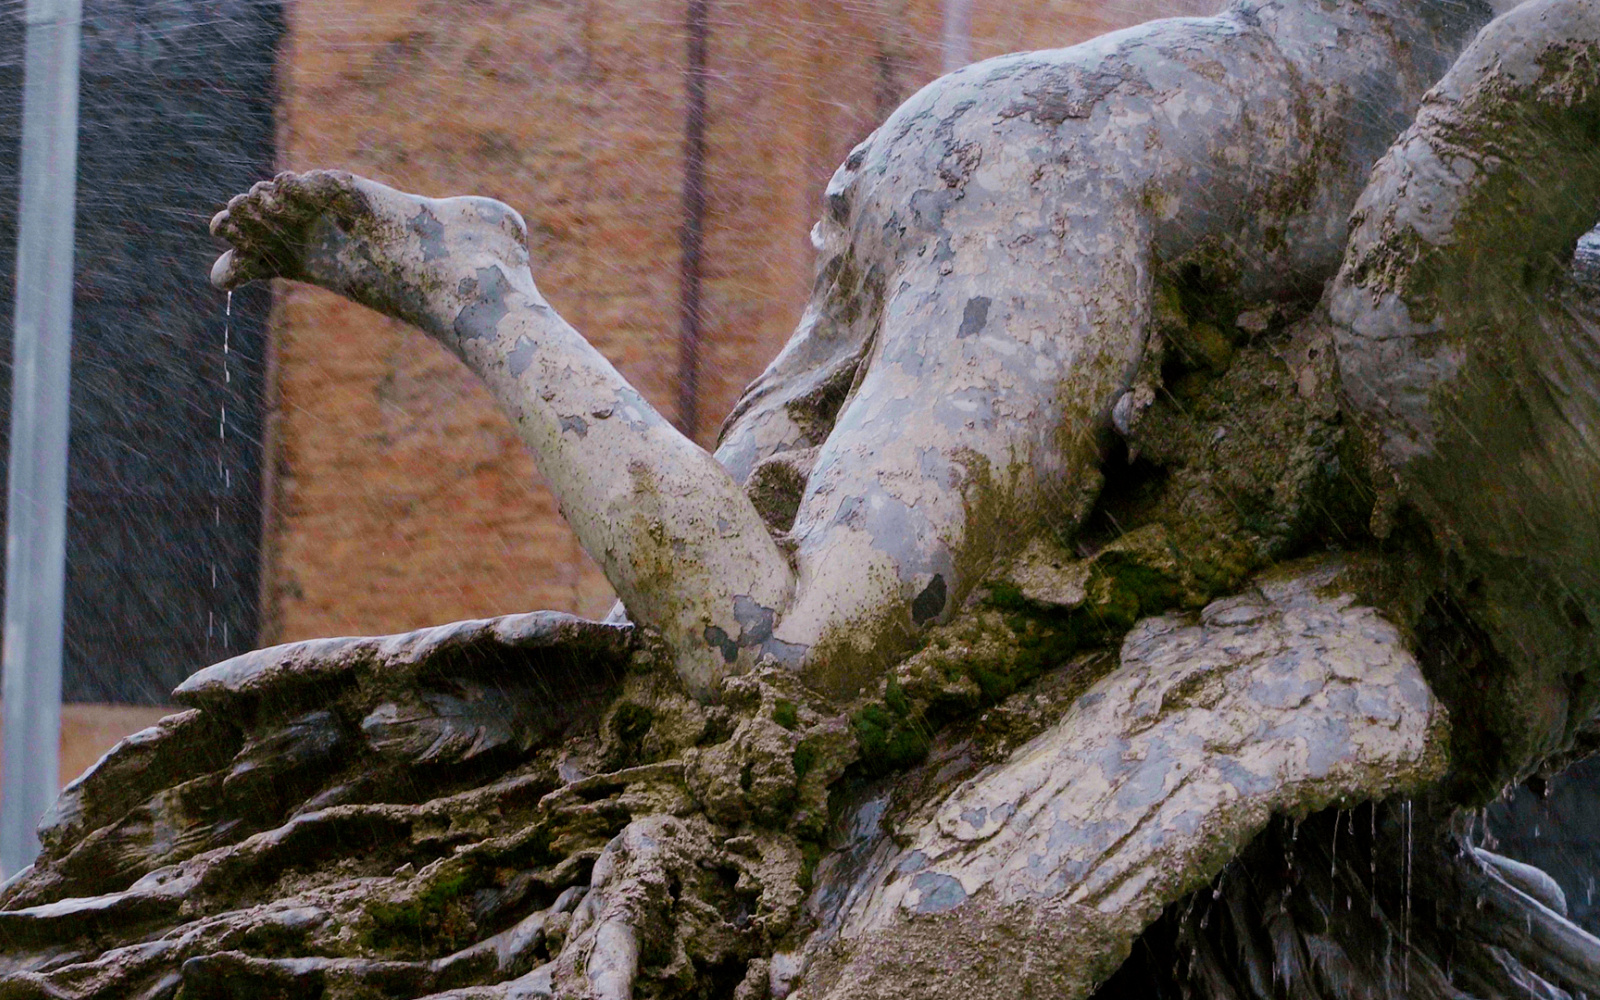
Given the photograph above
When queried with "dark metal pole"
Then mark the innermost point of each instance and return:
(41, 358)
(692, 236)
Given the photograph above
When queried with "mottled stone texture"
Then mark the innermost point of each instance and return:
(176, 113)
(393, 466)
(518, 808)
(1284, 700)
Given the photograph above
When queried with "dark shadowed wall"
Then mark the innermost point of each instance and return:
(176, 114)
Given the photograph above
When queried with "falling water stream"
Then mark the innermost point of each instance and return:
(1406, 919)
(224, 476)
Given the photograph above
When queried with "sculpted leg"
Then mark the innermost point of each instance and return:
(675, 535)
(1011, 223)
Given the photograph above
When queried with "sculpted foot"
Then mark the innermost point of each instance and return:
(418, 259)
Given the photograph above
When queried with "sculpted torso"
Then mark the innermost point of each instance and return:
(988, 262)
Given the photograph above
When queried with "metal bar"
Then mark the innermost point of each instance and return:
(692, 236)
(957, 42)
(30, 693)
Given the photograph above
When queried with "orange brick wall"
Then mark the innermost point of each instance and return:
(399, 496)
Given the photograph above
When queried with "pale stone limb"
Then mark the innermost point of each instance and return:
(677, 538)
(990, 256)
(628, 890)
(1472, 360)
(1034, 876)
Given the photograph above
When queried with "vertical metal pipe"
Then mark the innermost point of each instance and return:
(692, 236)
(957, 41)
(41, 357)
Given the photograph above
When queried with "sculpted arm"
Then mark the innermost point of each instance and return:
(673, 532)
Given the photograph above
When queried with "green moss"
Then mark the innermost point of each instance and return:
(889, 741)
(810, 857)
(895, 697)
(804, 756)
(1006, 596)
(785, 714)
(433, 912)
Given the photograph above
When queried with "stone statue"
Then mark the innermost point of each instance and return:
(1152, 489)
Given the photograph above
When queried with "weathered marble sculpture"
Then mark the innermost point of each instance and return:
(1119, 492)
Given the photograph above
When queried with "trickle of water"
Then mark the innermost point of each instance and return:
(1406, 919)
(224, 475)
(1388, 957)
(1333, 865)
(1372, 855)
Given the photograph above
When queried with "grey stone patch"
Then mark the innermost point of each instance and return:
(722, 642)
(429, 231)
(958, 409)
(929, 604)
(521, 357)
(939, 892)
(576, 424)
(975, 317)
(786, 653)
(755, 631)
(928, 206)
(850, 511)
(1245, 781)
(300, 918)
(478, 318)
(1148, 782)
(633, 409)
(1283, 688)
(1063, 93)
(1327, 740)
(755, 621)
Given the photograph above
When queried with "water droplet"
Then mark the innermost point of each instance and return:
(1333, 865)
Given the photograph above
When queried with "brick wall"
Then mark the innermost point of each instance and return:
(399, 495)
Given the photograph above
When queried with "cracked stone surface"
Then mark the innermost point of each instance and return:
(1281, 700)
